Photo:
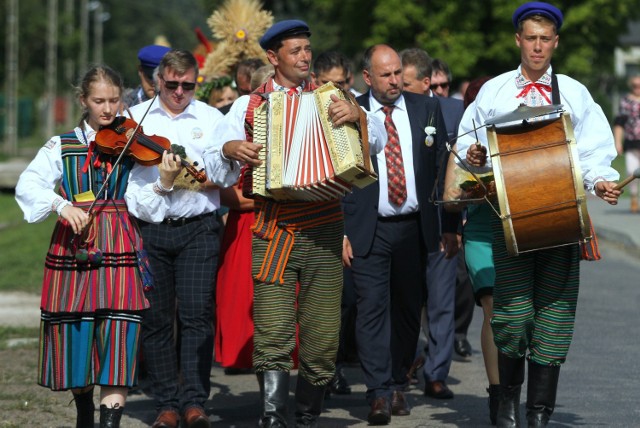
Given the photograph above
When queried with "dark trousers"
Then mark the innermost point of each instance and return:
(389, 285)
(441, 293)
(184, 263)
(465, 301)
(347, 351)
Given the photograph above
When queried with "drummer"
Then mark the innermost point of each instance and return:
(535, 293)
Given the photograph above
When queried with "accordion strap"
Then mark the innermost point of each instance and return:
(364, 131)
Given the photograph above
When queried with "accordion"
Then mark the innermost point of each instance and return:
(304, 156)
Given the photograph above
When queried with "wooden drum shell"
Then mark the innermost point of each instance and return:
(539, 185)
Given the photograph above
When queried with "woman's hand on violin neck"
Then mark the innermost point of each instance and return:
(77, 218)
(170, 168)
(242, 151)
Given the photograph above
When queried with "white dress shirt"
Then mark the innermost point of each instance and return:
(193, 129)
(595, 143)
(232, 128)
(400, 118)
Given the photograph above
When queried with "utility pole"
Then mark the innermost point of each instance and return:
(84, 37)
(69, 75)
(52, 66)
(98, 19)
(11, 84)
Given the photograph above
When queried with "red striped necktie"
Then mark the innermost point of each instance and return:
(397, 183)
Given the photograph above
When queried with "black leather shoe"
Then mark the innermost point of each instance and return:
(339, 384)
(399, 405)
(380, 413)
(437, 389)
(412, 374)
(462, 347)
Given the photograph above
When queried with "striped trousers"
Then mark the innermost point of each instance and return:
(534, 300)
(314, 263)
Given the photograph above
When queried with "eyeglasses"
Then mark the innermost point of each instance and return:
(172, 85)
(443, 85)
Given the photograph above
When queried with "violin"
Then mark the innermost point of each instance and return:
(145, 149)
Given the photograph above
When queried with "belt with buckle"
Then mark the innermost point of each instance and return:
(401, 217)
(181, 221)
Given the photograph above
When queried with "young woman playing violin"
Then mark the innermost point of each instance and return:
(92, 295)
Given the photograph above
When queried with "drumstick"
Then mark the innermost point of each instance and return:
(629, 179)
(475, 130)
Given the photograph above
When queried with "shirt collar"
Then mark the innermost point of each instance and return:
(522, 81)
(277, 87)
(158, 107)
(375, 105)
(88, 133)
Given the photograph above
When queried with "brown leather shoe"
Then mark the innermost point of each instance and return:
(437, 389)
(195, 417)
(167, 419)
(399, 405)
(380, 413)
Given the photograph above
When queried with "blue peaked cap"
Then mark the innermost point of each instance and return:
(538, 8)
(151, 55)
(282, 29)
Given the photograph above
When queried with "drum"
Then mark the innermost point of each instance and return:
(539, 185)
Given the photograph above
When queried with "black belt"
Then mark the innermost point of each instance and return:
(401, 217)
(181, 221)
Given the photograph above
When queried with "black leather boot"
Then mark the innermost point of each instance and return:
(541, 393)
(494, 400)
(309, 400)
(511, 378)
(274, 391)
(85, 409)
(110, 416)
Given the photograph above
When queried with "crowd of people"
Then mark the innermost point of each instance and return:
(170, 263)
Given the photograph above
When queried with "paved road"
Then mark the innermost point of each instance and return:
(598, 384)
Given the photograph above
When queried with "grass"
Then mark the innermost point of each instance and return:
(24, 247)
(7, 333)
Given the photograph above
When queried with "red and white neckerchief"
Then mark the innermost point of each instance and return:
(534, 94)
(290, 91)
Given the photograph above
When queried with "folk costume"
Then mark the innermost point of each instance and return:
(92, 295)
(307, 238)
(536, 293)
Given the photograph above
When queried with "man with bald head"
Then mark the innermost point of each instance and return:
(390, 227)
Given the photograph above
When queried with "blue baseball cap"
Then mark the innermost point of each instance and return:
(283, 29)
(538, 8)
(150, 57)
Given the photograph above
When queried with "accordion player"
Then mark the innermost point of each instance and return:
(305, 157)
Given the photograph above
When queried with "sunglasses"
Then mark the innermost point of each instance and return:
(443, 85)
(172, 85)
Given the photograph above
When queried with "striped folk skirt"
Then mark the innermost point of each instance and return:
(98, 269)
(93, 349)
(92, 300)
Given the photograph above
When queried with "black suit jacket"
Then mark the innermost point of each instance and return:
(361, 206)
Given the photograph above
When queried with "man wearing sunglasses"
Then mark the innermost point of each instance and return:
(180, 232)
(440, 78)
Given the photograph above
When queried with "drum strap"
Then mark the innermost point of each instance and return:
(555, 90)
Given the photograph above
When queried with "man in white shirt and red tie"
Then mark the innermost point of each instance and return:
(536, 293)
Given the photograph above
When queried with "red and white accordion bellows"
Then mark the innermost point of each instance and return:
(306, 157)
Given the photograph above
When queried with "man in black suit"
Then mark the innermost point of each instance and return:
(450, 309)
(389, 229)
